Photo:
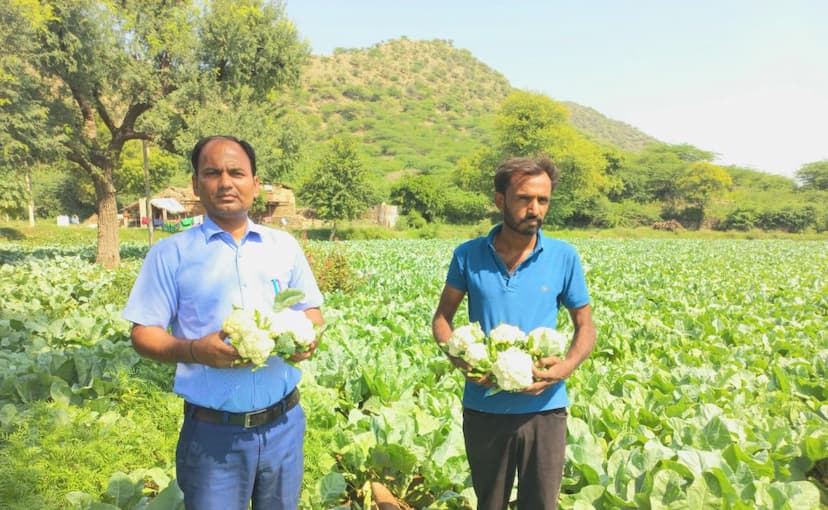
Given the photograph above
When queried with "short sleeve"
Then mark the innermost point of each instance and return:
(574, 293)
(456, 276)
(153, 300)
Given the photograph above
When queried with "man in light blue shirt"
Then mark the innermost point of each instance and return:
(243, 430)
(517, 275)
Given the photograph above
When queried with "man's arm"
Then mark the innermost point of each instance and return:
(552, 369)
(442, 327)
(315, 316)
(155, 343)
(441, 324)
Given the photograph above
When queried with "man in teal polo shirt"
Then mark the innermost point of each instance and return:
(243, 430)
(517, 275)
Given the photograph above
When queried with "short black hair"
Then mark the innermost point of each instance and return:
(527, 166)
(199, 146)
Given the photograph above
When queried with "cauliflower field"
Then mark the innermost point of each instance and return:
(706, 389)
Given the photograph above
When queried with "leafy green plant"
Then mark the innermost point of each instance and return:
(706, 388)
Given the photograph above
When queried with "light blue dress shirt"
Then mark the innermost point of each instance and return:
(189, 284)
(550, 276)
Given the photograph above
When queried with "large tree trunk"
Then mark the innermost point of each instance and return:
(108, 247)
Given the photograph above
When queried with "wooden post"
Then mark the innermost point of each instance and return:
(147, 190)
(30, 195)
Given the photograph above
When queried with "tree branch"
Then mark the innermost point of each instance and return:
(99, 107)
(90, 132)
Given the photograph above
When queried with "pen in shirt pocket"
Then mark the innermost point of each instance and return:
(277, 286)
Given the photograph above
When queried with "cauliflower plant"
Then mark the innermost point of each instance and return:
(506, 335)
(477, 355)
(292, 331)
(463, 338)
(469, 344)
(545, 342)
(249, 333)
(282, 331)
(513, 369)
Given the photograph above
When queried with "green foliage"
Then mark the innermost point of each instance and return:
(250, 43)
(333, 268)
(741, 218)
(13, 198)
(788, 219)
(422, 122)
(701, 388)
(603, 130)
(653, 174)
(814, 175)
(475, 173)
(420, 193)
(102, 74)
(278, 137)
(465, 207)
(130, 179)
(528, 124)
(701, 182)
(339, 188)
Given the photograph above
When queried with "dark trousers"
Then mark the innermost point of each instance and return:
(533, 446)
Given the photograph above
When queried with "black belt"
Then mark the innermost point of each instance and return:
(251, 419)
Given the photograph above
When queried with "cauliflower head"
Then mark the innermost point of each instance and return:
(513, 369)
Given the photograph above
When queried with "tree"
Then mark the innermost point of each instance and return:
(420, 193)
(700, 183)
(339, 188)
(139, 69)
(653, 174)
(475, 173)
(130, 180)
(24, 141)
(528, 124)
(814, 175)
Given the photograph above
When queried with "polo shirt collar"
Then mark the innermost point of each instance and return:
(210, 229)
(497, 228)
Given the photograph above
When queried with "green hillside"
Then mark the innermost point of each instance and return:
(599, 128)
(416, 106)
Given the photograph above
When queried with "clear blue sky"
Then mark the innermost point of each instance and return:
(745, 79)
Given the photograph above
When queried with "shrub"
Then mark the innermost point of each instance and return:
(332, 269)
(465, 207)
(741, 218)
(789, 219)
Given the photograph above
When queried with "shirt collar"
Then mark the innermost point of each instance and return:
(211, 230)
(497, 228)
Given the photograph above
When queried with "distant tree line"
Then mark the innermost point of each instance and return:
(602, 186)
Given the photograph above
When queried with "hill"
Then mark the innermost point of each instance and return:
(416, 106)
(601, 129)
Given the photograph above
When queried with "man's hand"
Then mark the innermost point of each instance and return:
(299, 356)
(547, 372)
(211, 350)
(464, 367)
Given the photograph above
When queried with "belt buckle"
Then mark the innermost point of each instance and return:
(248, 418)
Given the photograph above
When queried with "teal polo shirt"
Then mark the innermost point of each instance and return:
(189, 284)
(551, 277)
